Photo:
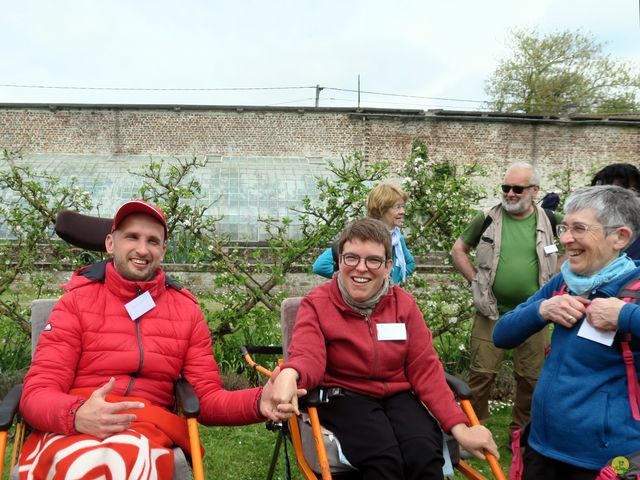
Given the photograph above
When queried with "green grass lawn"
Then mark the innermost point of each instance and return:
(245, 452)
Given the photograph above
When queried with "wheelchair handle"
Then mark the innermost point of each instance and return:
(244, 350)
(491, 459)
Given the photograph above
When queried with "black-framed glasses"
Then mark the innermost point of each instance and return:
(579, 230)
(517, 189)
(353, 260)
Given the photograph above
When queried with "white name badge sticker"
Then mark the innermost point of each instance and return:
(549, 249)
(588, 331)
(392, 331)
(140, 305)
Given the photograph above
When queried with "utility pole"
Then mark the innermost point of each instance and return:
(318, 90)
(358, 91)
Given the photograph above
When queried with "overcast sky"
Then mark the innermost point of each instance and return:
(441, 49)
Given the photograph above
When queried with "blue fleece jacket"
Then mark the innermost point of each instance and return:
(580, 412)
(324, 264)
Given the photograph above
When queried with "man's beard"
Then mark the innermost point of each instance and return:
(520, 206)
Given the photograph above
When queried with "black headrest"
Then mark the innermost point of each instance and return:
(83, 231)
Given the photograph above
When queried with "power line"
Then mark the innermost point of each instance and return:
(312, 87)
(405, 96)
(380, 102)
(291, 101)
(151, 89)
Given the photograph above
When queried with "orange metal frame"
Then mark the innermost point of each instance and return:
(294, 429)
(196, 453)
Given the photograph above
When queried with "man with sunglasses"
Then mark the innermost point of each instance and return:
(515, 255)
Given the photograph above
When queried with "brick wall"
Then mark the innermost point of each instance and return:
(495, 141)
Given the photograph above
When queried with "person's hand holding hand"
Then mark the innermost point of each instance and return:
(475, 440)
(100, 418)
(279, 400)
(564, 310)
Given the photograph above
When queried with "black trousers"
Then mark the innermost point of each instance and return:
(392, 438)
(537, 466)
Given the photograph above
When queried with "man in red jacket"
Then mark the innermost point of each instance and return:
(101, 381)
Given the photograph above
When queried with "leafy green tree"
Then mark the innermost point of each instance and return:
(29, 206)
(244, 305)
(565, 71)
(245, 316)
(441, 198)
(442, 195)
(244, 291)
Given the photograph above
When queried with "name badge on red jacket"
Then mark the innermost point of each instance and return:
(392, 331)
(140, 305)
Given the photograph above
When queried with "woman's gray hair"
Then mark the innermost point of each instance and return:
(611, 204)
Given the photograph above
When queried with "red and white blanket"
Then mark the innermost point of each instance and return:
(142, 452)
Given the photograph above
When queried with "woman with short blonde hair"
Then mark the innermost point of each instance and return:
(386, 202)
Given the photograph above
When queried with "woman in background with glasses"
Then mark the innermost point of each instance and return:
(367, 338)
(581, 414)
(387, 203)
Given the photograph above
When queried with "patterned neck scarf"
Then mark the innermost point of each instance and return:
(398, 253)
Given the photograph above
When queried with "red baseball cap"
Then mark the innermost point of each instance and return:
(139, 206)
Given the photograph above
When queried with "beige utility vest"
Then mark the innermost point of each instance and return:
(488, 254)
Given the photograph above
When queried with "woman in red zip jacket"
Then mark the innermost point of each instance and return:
(369, 339)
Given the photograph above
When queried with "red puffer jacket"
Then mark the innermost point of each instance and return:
(333, 346)
(90, 338)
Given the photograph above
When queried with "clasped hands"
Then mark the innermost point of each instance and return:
(279, 400)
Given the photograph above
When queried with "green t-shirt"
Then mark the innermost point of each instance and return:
(517, 273)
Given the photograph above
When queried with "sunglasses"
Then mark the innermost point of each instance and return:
(517, 189)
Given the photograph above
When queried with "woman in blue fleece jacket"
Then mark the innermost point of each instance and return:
(386, 203)
(581, 415)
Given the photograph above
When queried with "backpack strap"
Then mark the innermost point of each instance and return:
(632, 377)
(561, 291)
(487, 221)
(630, 294)
(552, 220)
(550, 215)
(517, 462)
(607, 473)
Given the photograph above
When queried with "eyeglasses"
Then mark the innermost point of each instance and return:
(517, 189)
(579, 230)
(399, 206)
(353, 260)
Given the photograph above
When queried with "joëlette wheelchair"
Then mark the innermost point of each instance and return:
(89, 233)
(315, 449)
